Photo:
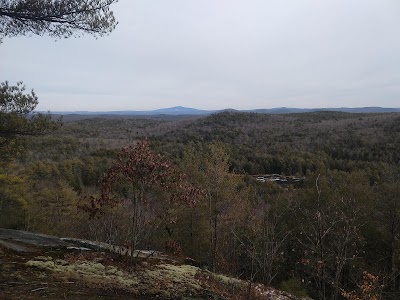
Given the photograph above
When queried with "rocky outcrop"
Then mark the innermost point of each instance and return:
(51, 267)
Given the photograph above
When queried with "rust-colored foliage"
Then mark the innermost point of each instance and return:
(143, 168)
(368, 289)
(148, 185)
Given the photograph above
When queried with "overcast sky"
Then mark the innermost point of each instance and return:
(215, 54)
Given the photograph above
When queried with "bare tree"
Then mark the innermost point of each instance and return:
(329, 235)
(148, 187)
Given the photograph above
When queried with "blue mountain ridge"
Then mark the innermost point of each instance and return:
(180, 110)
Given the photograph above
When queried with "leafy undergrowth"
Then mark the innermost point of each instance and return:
(61, 274)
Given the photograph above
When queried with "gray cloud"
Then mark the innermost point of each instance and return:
(218, 54)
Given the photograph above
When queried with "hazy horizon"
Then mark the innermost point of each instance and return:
(217, 110)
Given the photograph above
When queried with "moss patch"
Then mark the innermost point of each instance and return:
(91, 272)
(152, 279)
(163, 280)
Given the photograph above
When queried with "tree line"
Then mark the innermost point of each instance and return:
(334, 236)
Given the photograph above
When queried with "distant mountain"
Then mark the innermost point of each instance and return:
(283, 110)
(186, 111)
(173, 111)
(286, 110)
(372, 109)
(180, 110)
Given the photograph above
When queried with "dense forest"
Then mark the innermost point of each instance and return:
(188, 186)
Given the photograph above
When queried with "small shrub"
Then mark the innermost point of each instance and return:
(294, 286)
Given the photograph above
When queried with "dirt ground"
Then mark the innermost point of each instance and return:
(18, 281)
(36, 266)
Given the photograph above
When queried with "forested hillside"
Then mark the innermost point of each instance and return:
(186, 186)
